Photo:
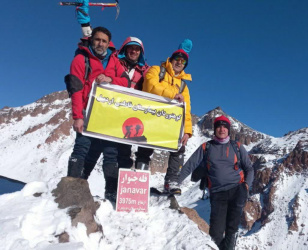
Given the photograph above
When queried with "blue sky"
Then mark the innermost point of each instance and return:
(250, 57)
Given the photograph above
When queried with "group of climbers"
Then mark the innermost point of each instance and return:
(126, 67)
(97, 59)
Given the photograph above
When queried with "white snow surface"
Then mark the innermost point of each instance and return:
(29, 222)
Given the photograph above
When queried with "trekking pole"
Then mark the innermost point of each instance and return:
(103, 5)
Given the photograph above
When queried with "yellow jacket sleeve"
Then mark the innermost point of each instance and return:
(188, 122)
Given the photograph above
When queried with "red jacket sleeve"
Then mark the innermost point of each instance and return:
(78, 69)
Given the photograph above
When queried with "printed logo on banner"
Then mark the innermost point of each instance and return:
(133, 129)
(133, 190)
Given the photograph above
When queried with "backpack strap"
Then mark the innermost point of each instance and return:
(237, 158)
(88, 68)
(139, 84)
(183, 85)
(205, 181)
(206, 149)
(207, 161)
(162, 73)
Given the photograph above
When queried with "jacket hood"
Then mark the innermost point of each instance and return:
(85, 48)
(167, 64)
(132, 41)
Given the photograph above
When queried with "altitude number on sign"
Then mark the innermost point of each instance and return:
(127, 201)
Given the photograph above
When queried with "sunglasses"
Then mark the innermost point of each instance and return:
(180, 59)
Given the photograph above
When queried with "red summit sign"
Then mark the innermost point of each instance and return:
(133, 190)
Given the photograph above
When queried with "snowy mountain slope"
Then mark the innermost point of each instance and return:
(37, 139)
(277, 232)
(280, 146)
(280, 191)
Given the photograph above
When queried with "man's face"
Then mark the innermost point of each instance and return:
(133, 52)
(178, 64)
(221, 132)
(100, 43)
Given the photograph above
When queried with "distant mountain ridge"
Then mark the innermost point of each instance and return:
(37, 139)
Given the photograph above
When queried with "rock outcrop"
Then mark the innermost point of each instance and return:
(194, 216)
(74, 194)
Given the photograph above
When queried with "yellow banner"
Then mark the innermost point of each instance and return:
(134, 117)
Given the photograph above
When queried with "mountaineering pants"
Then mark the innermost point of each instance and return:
(108, 148)
(124, 156)
(86, 153)
(77, 158)
(143, 155)
(119, 151)
(175, 163)
(83, 144)
(226, 210)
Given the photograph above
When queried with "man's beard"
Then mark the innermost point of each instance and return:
(99, 53)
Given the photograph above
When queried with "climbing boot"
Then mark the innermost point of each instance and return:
(75, 167)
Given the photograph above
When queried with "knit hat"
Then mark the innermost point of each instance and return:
(183, 51)
(222, 120)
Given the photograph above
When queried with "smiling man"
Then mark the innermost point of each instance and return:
(171, 85)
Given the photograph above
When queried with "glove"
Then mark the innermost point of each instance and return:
(83, 12)
(86, 30)
(199, 173)
(203, 183)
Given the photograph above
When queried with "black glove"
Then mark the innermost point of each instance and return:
(203, 183)
(199, 173)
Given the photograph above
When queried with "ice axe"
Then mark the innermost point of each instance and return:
(103, 5)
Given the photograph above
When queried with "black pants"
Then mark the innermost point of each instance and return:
(110, 151)
(226, 210)
(175, 164)
(113, 153)
(143, 155)
(98, 146)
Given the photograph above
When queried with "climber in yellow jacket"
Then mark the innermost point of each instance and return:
(171, 84)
